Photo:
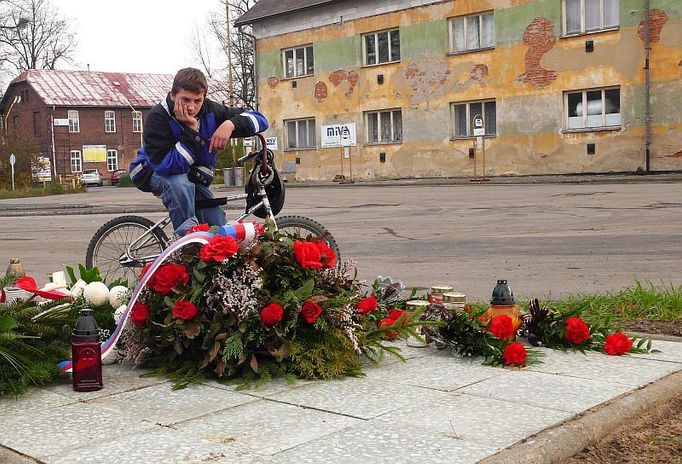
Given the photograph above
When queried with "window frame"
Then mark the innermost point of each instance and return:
(585, 127)
(380, 141)
(295, 74)
(78, 159)
(74, 121)
(469, 116)
(298, 121)
(36, 123)
(137, 121)
(375, 36)
(109, 121)
(583, 20)
(115, 158)
(451, 26)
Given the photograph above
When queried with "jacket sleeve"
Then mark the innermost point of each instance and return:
(167, 154)
(246, 122)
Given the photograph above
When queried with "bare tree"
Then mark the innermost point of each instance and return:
(34, 36)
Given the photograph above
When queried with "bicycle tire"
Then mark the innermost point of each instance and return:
(297, 224)
(112, 240)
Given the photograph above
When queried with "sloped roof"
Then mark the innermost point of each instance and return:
(269, 8)
(86, 88)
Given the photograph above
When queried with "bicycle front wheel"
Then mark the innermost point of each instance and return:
(300, 226)
(120, 248)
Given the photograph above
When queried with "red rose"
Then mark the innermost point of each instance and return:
(328, 257)
(199, 228)
(184, 310)
(388, 322)
(366, 305)
(308, 255)
(395, 314)
(168, 276)
(139, 314)
(271, 314)
(502, 327)
(576, 330)
(514, 353)
(218, 249)
(617, 344)
(311, 311)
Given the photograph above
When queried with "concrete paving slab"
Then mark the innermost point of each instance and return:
(367, 444)
(162, 405)
(547, 390)
(669, 351)
(265, 427)
(30, 401)
(157, 445)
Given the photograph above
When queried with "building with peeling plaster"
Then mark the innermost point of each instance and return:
(562, 85)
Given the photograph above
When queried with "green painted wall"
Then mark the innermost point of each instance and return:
(332, 55)
(424, 39)
(269, 64)
(511, 23)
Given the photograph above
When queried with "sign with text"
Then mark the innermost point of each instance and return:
(338, 135)
(61, 121)
(94, 153)
(271, 143)
(479, 128)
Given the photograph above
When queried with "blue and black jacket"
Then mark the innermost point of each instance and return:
(171, 148)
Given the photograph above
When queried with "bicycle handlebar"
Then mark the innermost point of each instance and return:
(264, 167)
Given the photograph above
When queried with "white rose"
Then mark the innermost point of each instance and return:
(118, 296)
(78, 287)
(96, 294)
(118, 314)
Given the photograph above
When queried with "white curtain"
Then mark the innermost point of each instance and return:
(572, 16)
(488, 30)
(458, 35)
(611, 13)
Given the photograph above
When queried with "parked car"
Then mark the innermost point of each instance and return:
(117, 174)
(91, 177)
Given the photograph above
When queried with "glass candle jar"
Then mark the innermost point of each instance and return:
(413, 305)
(437, 292)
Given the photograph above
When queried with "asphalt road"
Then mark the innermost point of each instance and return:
(547, 240)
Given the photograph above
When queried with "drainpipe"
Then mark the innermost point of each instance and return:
(647, 85)
(54, 155)
(255, 65)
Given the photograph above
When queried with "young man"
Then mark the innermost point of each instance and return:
(181, 135)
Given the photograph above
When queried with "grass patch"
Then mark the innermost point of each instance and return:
(50, 189)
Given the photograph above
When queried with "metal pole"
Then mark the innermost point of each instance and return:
(230, 82)
(647, 85)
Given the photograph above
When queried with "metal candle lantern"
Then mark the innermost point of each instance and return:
(86, 353)
(413, 305)
(503, 303)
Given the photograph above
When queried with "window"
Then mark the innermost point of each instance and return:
(76, 161)
(74, 124)
(581, 16)
(603, 108)
(300, 133)
(36, 123)
(137, 121)
(112, 160)
(384, 126)
(463, 115)
(472, 32)
(109, 121)
(299, 61)
(382, 47)
(24, 96)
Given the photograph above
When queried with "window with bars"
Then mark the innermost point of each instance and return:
(463, 115)
(592, 108)
(382, 47)
(112, 160)
(109, 121)
(473, 32)
(137, 121)
(76, 161)
(385, 126)
(299, 61)
(583, 16)
(300, 133)
(74, 122)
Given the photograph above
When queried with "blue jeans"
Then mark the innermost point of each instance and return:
(178, 195)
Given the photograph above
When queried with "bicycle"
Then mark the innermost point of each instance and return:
(123, 245)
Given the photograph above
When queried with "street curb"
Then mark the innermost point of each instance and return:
(571, 437)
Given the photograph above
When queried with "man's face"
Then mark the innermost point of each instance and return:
(191, 100)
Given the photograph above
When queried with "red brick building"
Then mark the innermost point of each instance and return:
(84, 120)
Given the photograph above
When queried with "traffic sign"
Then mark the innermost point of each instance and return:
(479, 128)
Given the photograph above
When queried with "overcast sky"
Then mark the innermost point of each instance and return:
(144, 36)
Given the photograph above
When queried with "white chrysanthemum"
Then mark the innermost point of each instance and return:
(118, 314)
(96, 294)
(119, 295)
(78, 287)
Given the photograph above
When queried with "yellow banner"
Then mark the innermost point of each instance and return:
(94, 153)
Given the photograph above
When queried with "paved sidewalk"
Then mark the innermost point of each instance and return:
(435, 408)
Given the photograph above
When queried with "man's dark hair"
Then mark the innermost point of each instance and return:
(190, 79)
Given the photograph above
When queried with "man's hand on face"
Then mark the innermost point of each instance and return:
(221, 136)
(182, 115)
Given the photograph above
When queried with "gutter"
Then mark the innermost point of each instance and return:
(647, 85)
(54, 155)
